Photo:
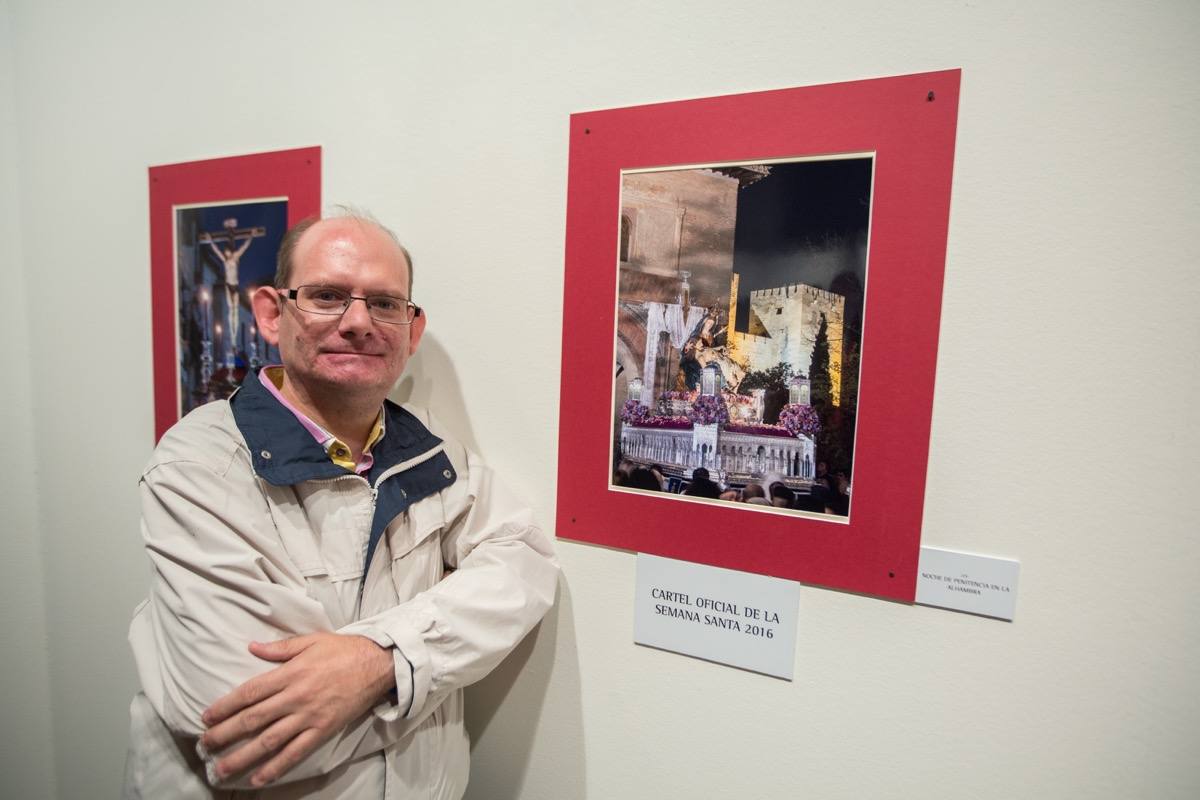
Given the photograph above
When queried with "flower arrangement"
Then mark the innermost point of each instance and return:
(708, 409)
(634, 413)
(666, 423)
(800, 420)
(757, 430)
(676, 404)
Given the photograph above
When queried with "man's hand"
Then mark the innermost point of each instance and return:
(327, 680)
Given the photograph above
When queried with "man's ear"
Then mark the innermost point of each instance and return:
(268, 306)
(416, 329)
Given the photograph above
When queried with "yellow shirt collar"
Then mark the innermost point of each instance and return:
(337, 450)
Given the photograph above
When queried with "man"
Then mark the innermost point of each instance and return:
(753, 491)
(838, 500)
(329, 569)
(702, 485)
(782, 496)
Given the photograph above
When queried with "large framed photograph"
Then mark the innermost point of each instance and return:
(752, 296)
(215, 229)
(741, 385)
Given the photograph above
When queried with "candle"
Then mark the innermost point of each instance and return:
(205, 316)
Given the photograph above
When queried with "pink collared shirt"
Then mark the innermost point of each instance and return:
(337, 450)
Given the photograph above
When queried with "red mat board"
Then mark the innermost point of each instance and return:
(286, 176)
(907, 126)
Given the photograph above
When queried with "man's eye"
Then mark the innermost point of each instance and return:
(327, 296)
(385, 303)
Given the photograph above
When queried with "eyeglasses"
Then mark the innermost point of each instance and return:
(334, 302)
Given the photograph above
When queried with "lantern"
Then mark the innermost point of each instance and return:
(800, 391)
(635, 389)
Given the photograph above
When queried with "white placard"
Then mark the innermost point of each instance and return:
(965, 582)
(735, 618)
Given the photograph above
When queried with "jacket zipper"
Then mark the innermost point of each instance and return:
(407, 465)
(374, 499)
(387, 473)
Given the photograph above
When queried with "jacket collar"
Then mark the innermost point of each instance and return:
(284, 453)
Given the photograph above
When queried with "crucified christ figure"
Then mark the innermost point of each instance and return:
(229, 258)
(225, 246)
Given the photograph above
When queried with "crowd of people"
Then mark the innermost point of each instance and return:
(829, 493)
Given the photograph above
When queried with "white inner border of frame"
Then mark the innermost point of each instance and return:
(175, 209)
(752, 507)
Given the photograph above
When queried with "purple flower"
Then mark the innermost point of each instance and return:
(708, 409)
(757, 430)
(634, 413)
(800, 420)
(667, 423)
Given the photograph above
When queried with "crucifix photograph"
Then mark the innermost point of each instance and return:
(229, 253)
(223, 252)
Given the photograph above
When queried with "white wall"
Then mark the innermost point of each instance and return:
(1063, 433)
(26, 752)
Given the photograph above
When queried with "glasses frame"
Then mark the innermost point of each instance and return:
(292, 294)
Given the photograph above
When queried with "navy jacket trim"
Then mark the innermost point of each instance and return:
(397, 492)
(284, 453)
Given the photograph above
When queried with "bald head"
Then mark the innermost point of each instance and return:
(285, 263)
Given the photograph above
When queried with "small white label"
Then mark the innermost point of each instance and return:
(736, 618)
(964, 582)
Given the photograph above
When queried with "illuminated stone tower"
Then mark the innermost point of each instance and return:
(783, 328)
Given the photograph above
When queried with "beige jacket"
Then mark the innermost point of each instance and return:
(254, 535)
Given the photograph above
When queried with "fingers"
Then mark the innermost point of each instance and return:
(295, 752)
(261, 747)
(277, 719)
(281, 650)
(245, 723)
(253, 691)
(258, 689)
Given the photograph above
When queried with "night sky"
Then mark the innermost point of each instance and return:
(805, 223)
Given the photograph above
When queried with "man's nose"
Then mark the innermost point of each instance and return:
(356, 318)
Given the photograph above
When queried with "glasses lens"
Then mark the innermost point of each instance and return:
(390, 309)
(328, 300)
(321, 299)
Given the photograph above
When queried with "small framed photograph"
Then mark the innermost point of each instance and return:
(215, 230)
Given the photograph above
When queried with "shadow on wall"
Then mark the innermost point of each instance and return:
(430, 380)
(513, 697)
(509, 701)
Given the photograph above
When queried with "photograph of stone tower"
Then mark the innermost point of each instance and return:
(739, 332)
